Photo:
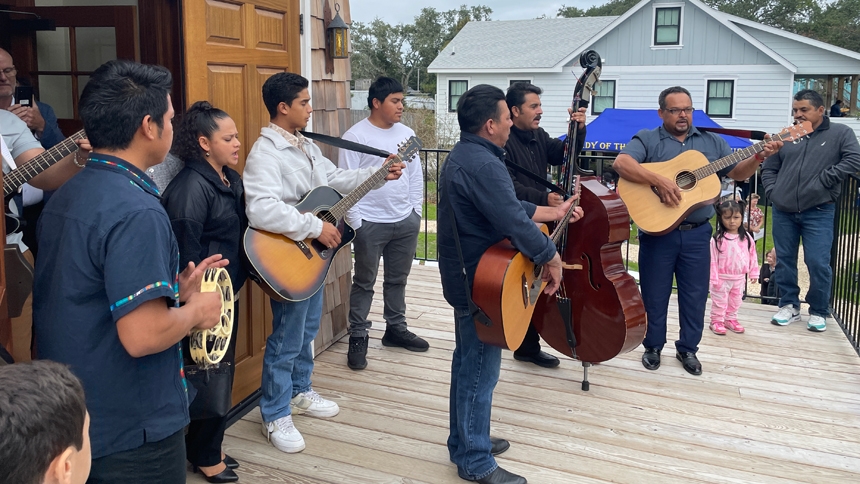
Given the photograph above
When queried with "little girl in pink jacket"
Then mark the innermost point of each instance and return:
(733, 258)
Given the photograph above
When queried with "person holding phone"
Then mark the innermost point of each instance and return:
(17, 98)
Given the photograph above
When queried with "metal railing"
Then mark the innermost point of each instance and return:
(845, 252)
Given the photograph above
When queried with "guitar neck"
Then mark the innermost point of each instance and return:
(13, 180)
(340, 208)
(561, 227)
(736, 157)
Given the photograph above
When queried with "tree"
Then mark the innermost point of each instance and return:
(404, 51)
(789, 15)
(614, 7)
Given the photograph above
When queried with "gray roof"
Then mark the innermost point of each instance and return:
(517, 44)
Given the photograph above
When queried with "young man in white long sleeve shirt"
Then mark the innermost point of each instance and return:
(281, 168)
(386, 223)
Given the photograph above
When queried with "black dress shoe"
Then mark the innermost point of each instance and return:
(651, 358)
(691, 363)
(501, 476)
(540, 358)
(231, 462)
(499, 445)
(227, 475)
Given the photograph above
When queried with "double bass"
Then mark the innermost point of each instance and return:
(597, 312)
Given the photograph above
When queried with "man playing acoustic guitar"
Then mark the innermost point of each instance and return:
(281, 168)
(477, 195)
(685, 251)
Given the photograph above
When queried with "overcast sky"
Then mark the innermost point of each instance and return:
(395, 12)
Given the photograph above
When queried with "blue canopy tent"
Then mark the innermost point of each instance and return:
(614, 128)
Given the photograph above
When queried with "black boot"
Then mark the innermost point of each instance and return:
(356, 358)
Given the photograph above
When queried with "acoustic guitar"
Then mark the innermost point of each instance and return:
(13, 180)
(507, 286)
(291, 270)
(697, 179)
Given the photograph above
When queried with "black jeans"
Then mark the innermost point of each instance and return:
(162, 462)
(531, 343)
(204, 438)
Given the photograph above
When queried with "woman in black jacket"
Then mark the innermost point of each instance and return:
(206, 205)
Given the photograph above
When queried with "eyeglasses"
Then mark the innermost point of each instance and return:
(677, 111)
(8, 71)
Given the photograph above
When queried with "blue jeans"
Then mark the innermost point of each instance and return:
(474, 374)
(815, 227)
(686, 256)
(289, 360)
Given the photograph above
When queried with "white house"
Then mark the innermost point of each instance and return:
(741, 73)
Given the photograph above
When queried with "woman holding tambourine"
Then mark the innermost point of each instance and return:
(205, 202)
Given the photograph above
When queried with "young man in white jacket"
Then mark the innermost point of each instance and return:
(281, 168)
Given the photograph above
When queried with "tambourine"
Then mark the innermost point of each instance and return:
(209, 346)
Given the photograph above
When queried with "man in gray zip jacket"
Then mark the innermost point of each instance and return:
(803, 181)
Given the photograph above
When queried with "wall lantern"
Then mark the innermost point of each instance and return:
(336, 35)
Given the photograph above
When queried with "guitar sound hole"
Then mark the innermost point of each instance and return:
(685, 180)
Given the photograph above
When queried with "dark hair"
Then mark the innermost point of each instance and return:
(201, 119)
(477, 105)
(671, 90)
(730, 207)
(517, 93)
(809, 95)
(283, 87)
(381, 89)
(118, 96)
(42, 413)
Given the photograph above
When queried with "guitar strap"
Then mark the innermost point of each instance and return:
(477, 313)
(346, 144)
(741, 133)
(537, 178)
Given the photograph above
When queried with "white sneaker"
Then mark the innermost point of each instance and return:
(284, 435)
(816, 323)
(785, 316)
(311, 403)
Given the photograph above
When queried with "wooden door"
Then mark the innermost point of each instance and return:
(231, 48)
(64, 59)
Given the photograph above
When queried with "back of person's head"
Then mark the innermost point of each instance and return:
(283, 87)
(43, 425)
(119, 95)
(661, 100)
(201, 119)
(381, 89)
(813, 97)
(478, 105)
(516, 95)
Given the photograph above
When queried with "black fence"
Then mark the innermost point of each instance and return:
(845, 256)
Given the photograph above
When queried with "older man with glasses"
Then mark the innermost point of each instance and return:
(40, 117)
(684, 253)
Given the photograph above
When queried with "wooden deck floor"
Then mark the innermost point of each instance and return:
(773, 405)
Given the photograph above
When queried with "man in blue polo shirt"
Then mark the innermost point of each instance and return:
(107, 283)
(683, 253)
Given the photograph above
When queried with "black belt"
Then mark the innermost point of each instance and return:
(691, 226)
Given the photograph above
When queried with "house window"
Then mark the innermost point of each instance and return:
(603, 97)
(667, 26)
(455, 90)
(720, 97)
(527, 81)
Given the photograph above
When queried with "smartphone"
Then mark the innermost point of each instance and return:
(24, 95)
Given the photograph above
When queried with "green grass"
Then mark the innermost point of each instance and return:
(430, 252)
(428, 212)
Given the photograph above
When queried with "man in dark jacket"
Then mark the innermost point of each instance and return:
(530, 147)
(803, 181)
(477, 196)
